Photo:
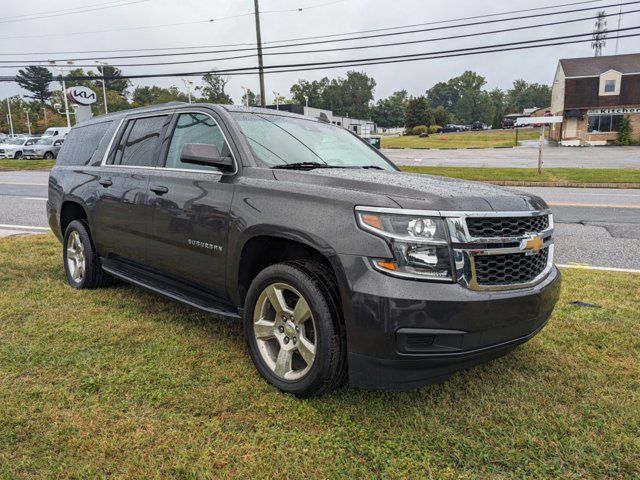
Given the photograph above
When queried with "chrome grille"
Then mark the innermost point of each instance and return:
(494, 227)
(510, 268)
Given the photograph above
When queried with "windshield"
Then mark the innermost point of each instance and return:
(49, 132)
(279, 140)
(44, 141)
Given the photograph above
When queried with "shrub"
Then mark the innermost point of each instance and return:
(434, 128)
(624, 132)
(420, 129)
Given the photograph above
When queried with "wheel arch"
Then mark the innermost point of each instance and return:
(263, 247)
(71, 210)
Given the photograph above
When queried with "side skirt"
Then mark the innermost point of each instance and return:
(169, 288)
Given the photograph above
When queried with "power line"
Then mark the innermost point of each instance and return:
(177, 24)
(306, 69)
(248, 44)
(67, 11)
(510, 46)
(252, 49)
(453, 37)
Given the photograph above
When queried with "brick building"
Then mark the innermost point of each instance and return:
(593, 94)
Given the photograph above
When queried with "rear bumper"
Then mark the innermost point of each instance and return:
(403, 334)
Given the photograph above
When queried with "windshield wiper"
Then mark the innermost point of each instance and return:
(304, 166)
(371, 167)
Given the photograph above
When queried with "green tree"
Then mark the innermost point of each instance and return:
(624, 132)
(498, 98)
(313, 90)
(154, 95)
(417, 112)
(441, 115)
(443, 94)
(528, 95)
(250, 99)
(213, 89)
(119, 84)
(77, 72)
(36, 81)
(357, 93)
(389, 112)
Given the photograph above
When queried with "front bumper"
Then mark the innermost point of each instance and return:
(405, 333)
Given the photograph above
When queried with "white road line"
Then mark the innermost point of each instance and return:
(29, 184)
(604, 269)
(24, 227)
(34, 198)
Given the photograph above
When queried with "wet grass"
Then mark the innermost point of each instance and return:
(484, 139)
(119, 383)
(559, 175)
(22, 164)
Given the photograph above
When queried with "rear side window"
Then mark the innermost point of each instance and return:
(141, 142)
(81, 143)
(194, 128)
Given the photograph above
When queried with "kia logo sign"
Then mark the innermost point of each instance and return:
(81, 95)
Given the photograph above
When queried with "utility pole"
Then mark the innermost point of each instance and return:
(188, 83)
(28, 122)
(104, 88)
(260, 63)
(64, 90)
(10, 119)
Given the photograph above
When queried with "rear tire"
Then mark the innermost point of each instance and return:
(81, 262)
(292, 320)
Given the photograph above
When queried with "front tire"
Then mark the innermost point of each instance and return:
(81, 262)
(293, 328)
(48, 156)
(18, 155)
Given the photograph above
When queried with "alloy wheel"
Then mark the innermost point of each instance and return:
(285, 331)
(76, 260)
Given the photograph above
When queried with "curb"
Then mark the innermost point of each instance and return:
(514, 183)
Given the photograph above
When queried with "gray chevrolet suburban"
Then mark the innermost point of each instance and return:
(340, 266)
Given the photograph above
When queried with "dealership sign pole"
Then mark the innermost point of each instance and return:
(542, 121)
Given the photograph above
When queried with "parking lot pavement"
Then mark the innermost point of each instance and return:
(521, 157)
(23, 196)
(597, 227)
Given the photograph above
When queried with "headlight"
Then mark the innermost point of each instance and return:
(419, 244)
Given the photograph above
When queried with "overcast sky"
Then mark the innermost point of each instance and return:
(137, 26)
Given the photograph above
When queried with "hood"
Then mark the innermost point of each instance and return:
(417, 191)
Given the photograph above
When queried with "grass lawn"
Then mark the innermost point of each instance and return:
(578, 175)
(484, 139)
(9, 164)
(119, 383)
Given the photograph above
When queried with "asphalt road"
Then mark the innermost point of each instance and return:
(597, 227)
(521, 157)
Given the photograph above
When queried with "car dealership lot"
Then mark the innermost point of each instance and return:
(599, 227)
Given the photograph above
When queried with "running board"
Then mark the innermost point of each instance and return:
(189, 296)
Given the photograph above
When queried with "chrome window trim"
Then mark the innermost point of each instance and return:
(104, 163)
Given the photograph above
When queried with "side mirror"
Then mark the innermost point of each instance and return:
(205, 154)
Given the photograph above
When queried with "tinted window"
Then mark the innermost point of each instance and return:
(141, 142)
(81, 143)
(194, 128)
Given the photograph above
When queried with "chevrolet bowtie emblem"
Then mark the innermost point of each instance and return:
(532, 244)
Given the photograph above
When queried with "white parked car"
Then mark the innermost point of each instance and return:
(15, 147)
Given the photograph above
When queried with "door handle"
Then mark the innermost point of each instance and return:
(159, 189)
(105, 182)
